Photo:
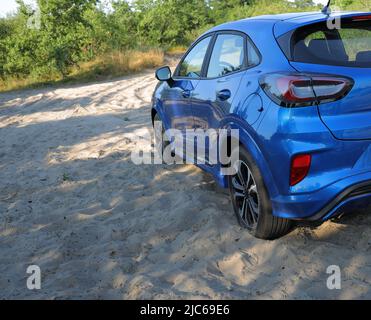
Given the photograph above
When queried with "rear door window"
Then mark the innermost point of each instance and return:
(349, 46)
(228, 55)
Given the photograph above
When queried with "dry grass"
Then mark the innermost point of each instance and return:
(176, 51)
(105, 67)
(121, 63)
(14, 83)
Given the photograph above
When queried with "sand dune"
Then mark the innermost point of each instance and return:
(72, 202)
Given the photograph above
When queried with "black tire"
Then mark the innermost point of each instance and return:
(252, 206)
(161, 143)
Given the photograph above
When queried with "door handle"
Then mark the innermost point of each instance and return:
(186, 93)
(224, 95)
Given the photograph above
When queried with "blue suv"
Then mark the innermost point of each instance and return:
(298, 88)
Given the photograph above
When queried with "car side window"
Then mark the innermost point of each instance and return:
(191, 67)
(253, 58)
(228, 55)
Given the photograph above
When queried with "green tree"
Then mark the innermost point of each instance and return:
(21, 46)
(168, 22)
(362, 5)
(122, 25)
(63, 31)
(6, 30)
(59, 44)
(304, 3)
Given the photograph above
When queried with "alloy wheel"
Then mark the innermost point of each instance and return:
(245, 195)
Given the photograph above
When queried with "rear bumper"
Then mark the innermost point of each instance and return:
(341, 197)
(355, 197)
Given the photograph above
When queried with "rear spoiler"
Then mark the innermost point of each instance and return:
(285, 26)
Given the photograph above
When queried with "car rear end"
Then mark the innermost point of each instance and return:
(322, 112)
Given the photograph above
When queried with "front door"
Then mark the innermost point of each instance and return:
(177, 109)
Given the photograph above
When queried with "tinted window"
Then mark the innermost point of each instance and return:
(348, 46)
(228, 55)
(253, 57)
(191, 66)
(357, 43)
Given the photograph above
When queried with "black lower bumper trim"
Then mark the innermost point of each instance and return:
(350, 193)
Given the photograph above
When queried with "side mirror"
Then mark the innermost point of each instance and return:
(163, 74)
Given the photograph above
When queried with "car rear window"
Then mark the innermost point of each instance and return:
(348, 46)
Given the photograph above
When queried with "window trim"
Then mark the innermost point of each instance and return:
(206, 62)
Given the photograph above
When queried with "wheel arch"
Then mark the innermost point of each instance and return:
(247, 141)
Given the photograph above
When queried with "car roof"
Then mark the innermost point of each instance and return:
(299, 17)
(283, 16)
(283, 23)
(284, 26)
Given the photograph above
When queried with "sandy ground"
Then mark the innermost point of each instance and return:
(73, 203)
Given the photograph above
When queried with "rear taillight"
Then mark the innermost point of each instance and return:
(362, 18)
(301, 90)
(300, 166)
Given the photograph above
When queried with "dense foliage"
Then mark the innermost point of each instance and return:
(69, 32)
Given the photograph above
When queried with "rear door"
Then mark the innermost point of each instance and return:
(213, 97)
(344, 52)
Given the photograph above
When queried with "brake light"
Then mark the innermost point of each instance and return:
(362, 18)
(301, 90)
(300, 166)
